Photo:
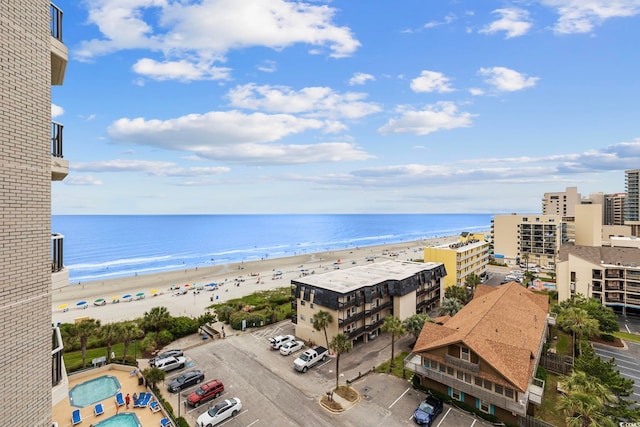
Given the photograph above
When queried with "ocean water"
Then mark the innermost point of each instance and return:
(98, 247)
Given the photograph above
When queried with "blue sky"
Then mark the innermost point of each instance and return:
(344, 106)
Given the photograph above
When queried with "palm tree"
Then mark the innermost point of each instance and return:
(394, 325)
(471, 282)
(320, 321)
(130, 332)
(578, 321)
(111, 333)
(450, 306)
(414, 324)
(156, 319)
(84, 330)
(153, 376)
(583, 410)
(340, 343)
(580, 382)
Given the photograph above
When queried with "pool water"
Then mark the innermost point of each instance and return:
(126, 419)
(94, 391)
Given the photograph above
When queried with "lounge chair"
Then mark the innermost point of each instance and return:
(119, 399)
(143, 400)
(154, 406)
(76, 417)
(132, 373)
(165, 422)
(98, 409)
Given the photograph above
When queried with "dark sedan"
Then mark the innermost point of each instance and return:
(186, 379)
(428, 411)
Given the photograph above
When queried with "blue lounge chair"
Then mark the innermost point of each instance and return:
(76, 417)
(154, 406)
(119, 399)
(143, 400)
(98, 409)
(165, 422)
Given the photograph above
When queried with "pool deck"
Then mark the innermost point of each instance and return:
(129, 384)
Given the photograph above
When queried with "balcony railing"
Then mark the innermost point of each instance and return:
(56, 139)
(462, 364)
(353, 318)
(413, 363)
(57, 243)
(56, 21)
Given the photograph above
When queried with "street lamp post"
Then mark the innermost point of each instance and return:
(179, 403)
(135, 351)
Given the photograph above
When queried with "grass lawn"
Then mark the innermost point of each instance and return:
(627, 336)
(398, 365)
(73, 359)
(547, 411)
(563, 343)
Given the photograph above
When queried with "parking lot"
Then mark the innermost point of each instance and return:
(273, 393)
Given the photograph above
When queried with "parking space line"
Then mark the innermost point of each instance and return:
(443, 417)
(474, 422)
(396, 401)
(249, 425)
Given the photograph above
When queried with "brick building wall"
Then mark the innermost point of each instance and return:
(25, 209)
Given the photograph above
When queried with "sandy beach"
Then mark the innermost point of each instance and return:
(234, 280)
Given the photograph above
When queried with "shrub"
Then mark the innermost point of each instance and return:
(182, 326)
(253, 319)
(541, 373)
(224, 312)
(163, 338)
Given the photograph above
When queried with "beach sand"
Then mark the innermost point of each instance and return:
(234, 280)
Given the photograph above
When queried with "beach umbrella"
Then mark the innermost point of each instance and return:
(153, 291)
(82, 304)
(126, 297)
(64, 307)
(186, 285)
(115, 299)
(99, 301)
(139, 294)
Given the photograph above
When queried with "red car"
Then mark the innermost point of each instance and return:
(205, 392)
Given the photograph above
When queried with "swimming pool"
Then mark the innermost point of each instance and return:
(93, 391)
(127, 419)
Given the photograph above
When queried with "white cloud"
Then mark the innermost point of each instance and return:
(268, 67)
(202, 32)
(433, 118)
(310, 101)
(431, 81)
(360, 79)
(152, 168)
(507, 80)
(513, 21)
(581, 16)
(235, 137)
(179, 70)
(81, 180)
(476, 91)
(447, 20)
(56, 111)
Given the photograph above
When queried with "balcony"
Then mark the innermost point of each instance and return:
(413, 363)
(59, 166)
(59, 52)
(462, 364)
(59, 274)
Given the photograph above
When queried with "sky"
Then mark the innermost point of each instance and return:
(344, 106)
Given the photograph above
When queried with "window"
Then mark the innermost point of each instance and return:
(302, 317)
(485, 407)
(498, 388)
(467, 378)
(434, 365)
(455, 394)
(465, 354)
(459, 374)
(488, 385)
(311, 305)
(442, 367)
(353, 310)
(301, 302)
(508, 393)
(449, 370)
(478, 381)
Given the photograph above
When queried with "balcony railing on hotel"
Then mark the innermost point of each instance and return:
(57, 365)
(57, 258)
(56, 21)
(56, 139)
(413, 364)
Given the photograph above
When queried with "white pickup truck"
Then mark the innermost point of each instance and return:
(309, 358)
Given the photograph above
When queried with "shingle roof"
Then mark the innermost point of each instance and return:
(504, 326)
(602, 254)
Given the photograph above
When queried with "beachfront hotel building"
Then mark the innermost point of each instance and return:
(360, 298)
(632, 201)
(608, 273)
(487, 354)
(33, 59)
(561, 203)
(469, 255)
(536, 237)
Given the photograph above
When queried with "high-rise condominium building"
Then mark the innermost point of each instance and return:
(614, 209)
(33, 58)
(561, 203)
(632, 202)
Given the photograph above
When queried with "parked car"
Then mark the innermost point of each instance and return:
(171, 363)
(428, 411)
(278, 341)
(185, 380)
(165, 354)
(205, 392)
(220, 412)
(291, 347)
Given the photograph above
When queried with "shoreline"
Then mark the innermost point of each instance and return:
(234, 281)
